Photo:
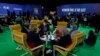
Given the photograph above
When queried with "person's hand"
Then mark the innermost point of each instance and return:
(27, 29)
(56, 39)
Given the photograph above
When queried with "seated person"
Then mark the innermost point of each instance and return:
(44, 27)
(25, 28)
(91, 40)
(51, 28)
(58, 33)
(73, 31)
(19, 20)
(33, 37)
(63, 41)
(64, 30)
(73, 26)
(61, 31)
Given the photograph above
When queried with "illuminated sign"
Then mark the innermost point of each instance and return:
(5, 7)
(74, 10)
(17, 8)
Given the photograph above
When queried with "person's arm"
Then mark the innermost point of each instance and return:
(27, 29)
(48, 27)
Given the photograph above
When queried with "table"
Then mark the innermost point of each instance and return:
(48, 37)
(48, 45)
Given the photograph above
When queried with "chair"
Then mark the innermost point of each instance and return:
(65, 50)
(34, 21)
(80, 37)
(34, 24)
(15, 27)
(38, 22)
(20, 39)
(60, 24)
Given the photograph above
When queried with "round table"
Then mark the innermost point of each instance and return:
(47, 44)
(47, 37)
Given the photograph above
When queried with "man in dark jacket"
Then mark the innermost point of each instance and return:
(33, 37)
(63, 41)
(91, 40)
(44, 27)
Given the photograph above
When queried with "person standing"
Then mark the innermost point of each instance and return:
(97, 24)
(54, 20)
(1, 29)
(44, 27)
(91, 40)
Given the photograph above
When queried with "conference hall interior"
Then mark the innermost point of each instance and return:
(49, 28)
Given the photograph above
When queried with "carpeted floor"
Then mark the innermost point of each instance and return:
(8, 47)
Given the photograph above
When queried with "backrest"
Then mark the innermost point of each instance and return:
(73, 44)
(60, 23)
(20, 38)
(33, 25)
(34, 21)
(80, 37)
(38, 22)
(15, 27)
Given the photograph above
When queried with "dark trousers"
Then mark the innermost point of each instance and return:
(97, 29)
(1, 30)
(84, 23)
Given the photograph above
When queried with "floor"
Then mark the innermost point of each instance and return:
(8, 47)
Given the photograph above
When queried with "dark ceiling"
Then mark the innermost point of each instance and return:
(49, 4)
(55, 2)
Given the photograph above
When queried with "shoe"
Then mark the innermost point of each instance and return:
(18, 48)
(48, 51)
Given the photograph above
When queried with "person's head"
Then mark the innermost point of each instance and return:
(65, 31)
(33, 28)
(26, 22)
(50, 22)
(35, 17)
(45, 17)
(45, 22)
(58, 33)
(91, 33)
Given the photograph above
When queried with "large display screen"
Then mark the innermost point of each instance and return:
(33, 9)
(78, 8)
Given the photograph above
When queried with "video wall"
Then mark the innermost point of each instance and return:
(78, 8)
(33, 9)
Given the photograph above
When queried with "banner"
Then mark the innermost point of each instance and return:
(78, 8)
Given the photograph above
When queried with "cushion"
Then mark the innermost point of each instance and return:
(68, 46)
(31, 45)
(58, 33)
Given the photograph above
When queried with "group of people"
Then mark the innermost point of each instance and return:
(86, 19)
(62, 38)
(34, 35)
